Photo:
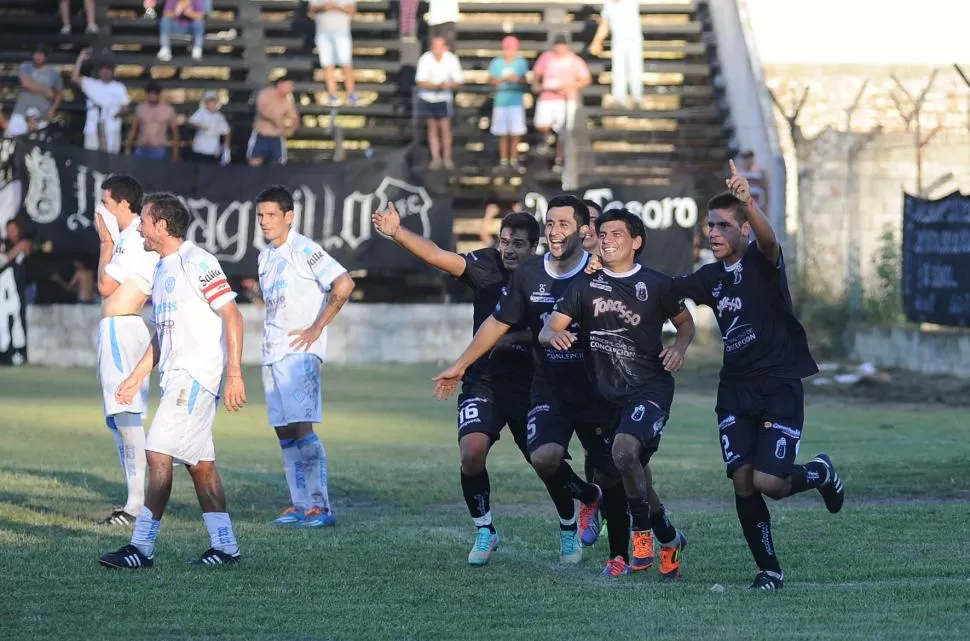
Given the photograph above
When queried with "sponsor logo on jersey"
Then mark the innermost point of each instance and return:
(313, 257)
(658, 426)
(210, 275)
(541, 296)
(728, 303)
(716, 292)
(599, 283)
(612, 306)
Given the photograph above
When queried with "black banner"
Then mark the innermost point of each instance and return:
(13, 312)
(670, 213)
(936, 260)
(334, 201)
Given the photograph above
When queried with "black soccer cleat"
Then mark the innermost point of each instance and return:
(127, 558)
(117, 518)
(833, 493)
(213, 556)
(768, 580)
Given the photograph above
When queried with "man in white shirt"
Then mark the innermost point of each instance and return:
(335, 45)
(438, 75)
(620, 19)
(211, 126)
(107, 102)
(443, 21)
(125, 274)
(303, 290)
(195, 312)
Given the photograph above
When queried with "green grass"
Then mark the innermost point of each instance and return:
(893, 565)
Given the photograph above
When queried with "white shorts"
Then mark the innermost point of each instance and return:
(508, 121)
(122, 341)
(292, 387)
(334, 48)
(182, 427)
(554, 113)
(92, 142)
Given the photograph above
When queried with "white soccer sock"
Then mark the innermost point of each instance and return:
(131, 451)
(221, 535)
(483, 521)
(295, 478)
(146, 530)
(314, 458)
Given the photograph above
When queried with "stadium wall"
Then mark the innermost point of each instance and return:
(946, 351)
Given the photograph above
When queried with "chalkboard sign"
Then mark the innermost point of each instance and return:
(936, 260)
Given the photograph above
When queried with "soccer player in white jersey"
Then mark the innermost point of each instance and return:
(197, 325)
(125, 273)
(303, 289)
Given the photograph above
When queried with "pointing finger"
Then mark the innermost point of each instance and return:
(734, 170)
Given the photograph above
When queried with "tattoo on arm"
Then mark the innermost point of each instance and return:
(335, 301)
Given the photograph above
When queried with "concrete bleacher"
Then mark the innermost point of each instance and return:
(680, 126)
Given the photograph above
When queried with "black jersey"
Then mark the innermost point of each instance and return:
(531, 294)
(486, 275)
(621, 319)
(753, 307)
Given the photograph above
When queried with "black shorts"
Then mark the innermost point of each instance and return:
(645, 419)
(760, 423)
(434, 110)
(487, 411)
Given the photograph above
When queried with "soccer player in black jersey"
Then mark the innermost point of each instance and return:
(495, 388)
(621, 311)
(760, 400)
(563, 397)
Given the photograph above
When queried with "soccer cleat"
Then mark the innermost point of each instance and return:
(670, 558)
(642, 550)
(213, 556)
(127, 558)
(119, 518)
(768, 580)
(616, 567)
(486, 542)
(833, 493)
(315, 517)
(570, 551)
(290, 516)
(589, 519)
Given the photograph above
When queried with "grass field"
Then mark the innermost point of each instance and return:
(894, 564)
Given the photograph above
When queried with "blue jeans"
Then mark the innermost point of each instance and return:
(169, 26)
(152, 153)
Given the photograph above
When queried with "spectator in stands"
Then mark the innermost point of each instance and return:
(154, 120)
(3, 121)
(620, 19)
(41, 87)
(276, 119)
(66, 17)
(212, 133)
(443, 21)
(82, 283)
(334, 44)
(558, 76)
(408, 20)
(757, 178)
(15, 247)
(182, 17)
(34, 122)
(107, 104)
(489, 227)
(438, 75)
(507, 73)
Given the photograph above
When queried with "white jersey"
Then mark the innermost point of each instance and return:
(131, 260)
(293, 278)
(190, 287)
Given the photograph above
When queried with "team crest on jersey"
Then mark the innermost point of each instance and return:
(738, 273)
(170, 285)
(641, 290)
(638, 413)
(781, 448)
(599, 283)
(542, 288)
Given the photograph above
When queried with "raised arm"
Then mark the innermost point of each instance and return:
(596, 46)
(388, 222)
(767, 241)
(106, 284)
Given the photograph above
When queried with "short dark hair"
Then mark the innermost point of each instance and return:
(125, 187)
(592, 204)
(727, 200)
(277, 194)
(634, 225)
(153, 87)
(281, 80)
(522, 220)
(580, 210)
(166, 206)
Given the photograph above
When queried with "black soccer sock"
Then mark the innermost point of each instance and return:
(578, 488)
(663, 529)
(756, 525)
(588, 469)
(562, 498)
(476, 490)
(614, 509)
(640, 511)
(810, 476)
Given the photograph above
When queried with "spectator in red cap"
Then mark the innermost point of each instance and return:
(507, 73)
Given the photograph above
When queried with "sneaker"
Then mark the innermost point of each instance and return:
(642, 558)
(353, 99)
(833, 493)
(616, 567)
(66, 30)
(92, 29)
(767, 580)
(290, 516)
(570, 551)
(315, 517)
(118, 517)
(486, 542)
(213, 556)
(150, 13)
(435, 164)
(449, 164)
(165, 54)
(196, 53)
(670, 558)
(333, 100)
(127, 558)
(589, 519)
(557, 166)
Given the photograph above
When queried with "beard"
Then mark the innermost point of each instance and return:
(570, 245)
